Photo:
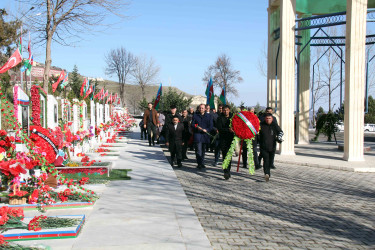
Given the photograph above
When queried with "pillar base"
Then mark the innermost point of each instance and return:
(303, 142)
(287, 153)
(357, 159)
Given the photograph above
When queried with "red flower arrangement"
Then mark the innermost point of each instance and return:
(100, 150)
(34, 223)
(42, 146)
(241, 129)
(35, 99)
(87, 164)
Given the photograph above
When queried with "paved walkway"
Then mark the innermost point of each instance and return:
(150, 211)
(300, 208)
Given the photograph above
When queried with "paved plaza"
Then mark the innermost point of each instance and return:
(300, 208)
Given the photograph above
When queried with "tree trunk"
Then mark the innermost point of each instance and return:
(47, 65)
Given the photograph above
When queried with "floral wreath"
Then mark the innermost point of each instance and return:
(245, 125)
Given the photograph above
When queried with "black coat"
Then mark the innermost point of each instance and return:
(174, 135)
(223, 125)
(268, 135)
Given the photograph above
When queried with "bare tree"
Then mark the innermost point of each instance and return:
(120, 63)
(145, 72)
(262, 61)
(223, 75)
(62, 20)
(317, 88)
(133, 100)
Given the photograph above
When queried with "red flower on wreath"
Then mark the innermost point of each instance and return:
(241, 129)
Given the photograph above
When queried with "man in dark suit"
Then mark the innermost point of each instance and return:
(150, 121)
(186, 120)
(174, 134)
(226, 136)
(202, 124)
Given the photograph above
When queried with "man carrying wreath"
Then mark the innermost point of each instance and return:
(202, 125)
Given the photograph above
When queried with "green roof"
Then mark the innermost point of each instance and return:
(320, 7)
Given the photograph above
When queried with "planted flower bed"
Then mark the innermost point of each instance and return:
(98, 176)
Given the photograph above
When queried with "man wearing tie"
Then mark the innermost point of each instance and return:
(174, 133)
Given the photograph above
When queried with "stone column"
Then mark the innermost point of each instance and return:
(303, 116)
(273, 89)
(287, 77)
(354, 79)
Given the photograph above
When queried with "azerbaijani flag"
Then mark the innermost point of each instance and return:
(222, 96)
(88, 92)
(65, 81)
(158, 96)
(211, 99)
(208, 89)
(83, 86)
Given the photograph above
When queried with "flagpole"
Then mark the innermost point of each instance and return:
(21, 56)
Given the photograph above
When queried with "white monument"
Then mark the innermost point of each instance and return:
(52, 112)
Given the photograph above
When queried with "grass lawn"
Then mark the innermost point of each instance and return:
(96, 178)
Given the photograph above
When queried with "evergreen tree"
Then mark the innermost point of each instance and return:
(370, 116)
(75, 82)
(171, 97)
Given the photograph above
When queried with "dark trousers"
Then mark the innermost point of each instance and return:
(185, 146)
(151, 127)
(217, 149)
(224, 150)
(176, 151)
(255, 153)
(268, 157)
(143, 132)
(200, 151)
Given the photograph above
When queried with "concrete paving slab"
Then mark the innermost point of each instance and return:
(150, 211)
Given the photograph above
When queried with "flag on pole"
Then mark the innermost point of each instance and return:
(106, 94)
(222, 96)
(208, 91)
(211, 100)
(83, 86)
(29, 47)
(65, 81)
(27, 65)
(158, 97)
(13, 61)
(93, 92)
(56, 84)
(87, 86)
(88, 92)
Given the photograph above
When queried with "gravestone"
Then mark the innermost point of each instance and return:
(75, 117)
(43, 110)
(21, 108)
(92, 116)
(52, 112)
(83, 117)
(106, 113)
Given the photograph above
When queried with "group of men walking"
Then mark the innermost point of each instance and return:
(208, 129)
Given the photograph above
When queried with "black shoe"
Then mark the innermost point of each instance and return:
(179, 165)
(257, 167)
(273, 167)
(226, 176)
(203, 166)
(244, 166)
(153, 143)
(199, 166)
(172, 164)
(149, 145)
